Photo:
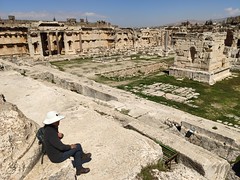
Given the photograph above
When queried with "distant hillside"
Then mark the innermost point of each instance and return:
(229, 20)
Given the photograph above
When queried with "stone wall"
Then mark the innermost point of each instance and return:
(40, 39)
(200, 56)
(13, 41)
(220, 145)
(135, 71)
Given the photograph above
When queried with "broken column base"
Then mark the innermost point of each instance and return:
(201, 76)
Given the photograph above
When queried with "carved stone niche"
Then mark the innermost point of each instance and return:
(68, 33)
(34, 34)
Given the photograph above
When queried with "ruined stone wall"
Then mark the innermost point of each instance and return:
(232, 48)
(200, 54)
(13, 41)
(136, 71)
(39, 39)
(200, 51)
(71, 42)
(96, 38)
(150, 37)
(124, 39)
(218, 144)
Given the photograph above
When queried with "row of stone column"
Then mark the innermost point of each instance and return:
(36, 39)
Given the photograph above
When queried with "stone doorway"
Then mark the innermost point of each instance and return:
(44, 40)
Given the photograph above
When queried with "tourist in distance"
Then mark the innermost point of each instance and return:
(59, 152)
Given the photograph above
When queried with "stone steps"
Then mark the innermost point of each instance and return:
(204, 162)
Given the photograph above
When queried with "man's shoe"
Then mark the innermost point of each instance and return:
(86, 156)
(82, 171)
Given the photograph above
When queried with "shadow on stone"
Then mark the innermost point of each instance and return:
(236, 168)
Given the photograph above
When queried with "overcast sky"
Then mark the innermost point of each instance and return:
(125, 13)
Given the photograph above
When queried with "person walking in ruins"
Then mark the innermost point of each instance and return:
(59, 152)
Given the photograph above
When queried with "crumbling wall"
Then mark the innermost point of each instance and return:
(220, 145)
(13, 41)
(200, 56)
(136, 71)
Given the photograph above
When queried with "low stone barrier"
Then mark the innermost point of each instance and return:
(204, 162)
(134, 71)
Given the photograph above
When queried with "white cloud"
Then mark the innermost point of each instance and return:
(232, 12)
(92, 14)
(60, 15)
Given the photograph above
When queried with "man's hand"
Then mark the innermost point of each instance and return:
(60, 135)
(73, 146)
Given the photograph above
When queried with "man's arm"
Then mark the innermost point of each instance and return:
(55, 141)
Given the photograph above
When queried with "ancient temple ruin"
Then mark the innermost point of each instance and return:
(39, 39)
(203, 53)
(200, 56)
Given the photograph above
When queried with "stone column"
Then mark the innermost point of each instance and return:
(58, 48)
(40, 45)
(134, 39)
(166, 40)
(66, 48)
(49, 44)
(161, 38)
(80, 41)
(30, 46)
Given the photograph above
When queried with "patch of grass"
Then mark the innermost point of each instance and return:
(236, 160)
(214, 102)
(66, 63)
(146, 172)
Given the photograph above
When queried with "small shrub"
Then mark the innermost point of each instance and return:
(146, 172)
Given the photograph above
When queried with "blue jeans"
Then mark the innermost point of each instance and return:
(76, 153)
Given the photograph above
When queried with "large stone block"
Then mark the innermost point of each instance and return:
(19, 152)
(204, 162)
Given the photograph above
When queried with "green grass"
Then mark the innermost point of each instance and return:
(62, 65)
(236, 160)
(146, 172)
(215, 102)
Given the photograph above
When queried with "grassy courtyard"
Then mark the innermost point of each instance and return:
(220, 101)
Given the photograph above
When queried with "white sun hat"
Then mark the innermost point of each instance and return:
(52, 117)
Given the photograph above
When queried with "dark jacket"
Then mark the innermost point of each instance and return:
(53, 145)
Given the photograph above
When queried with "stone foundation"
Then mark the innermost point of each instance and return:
(201, 76)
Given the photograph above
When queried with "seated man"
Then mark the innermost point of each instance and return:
(59, 152)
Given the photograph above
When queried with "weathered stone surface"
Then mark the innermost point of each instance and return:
(205, 163)
(117, 153)
(19, 150)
